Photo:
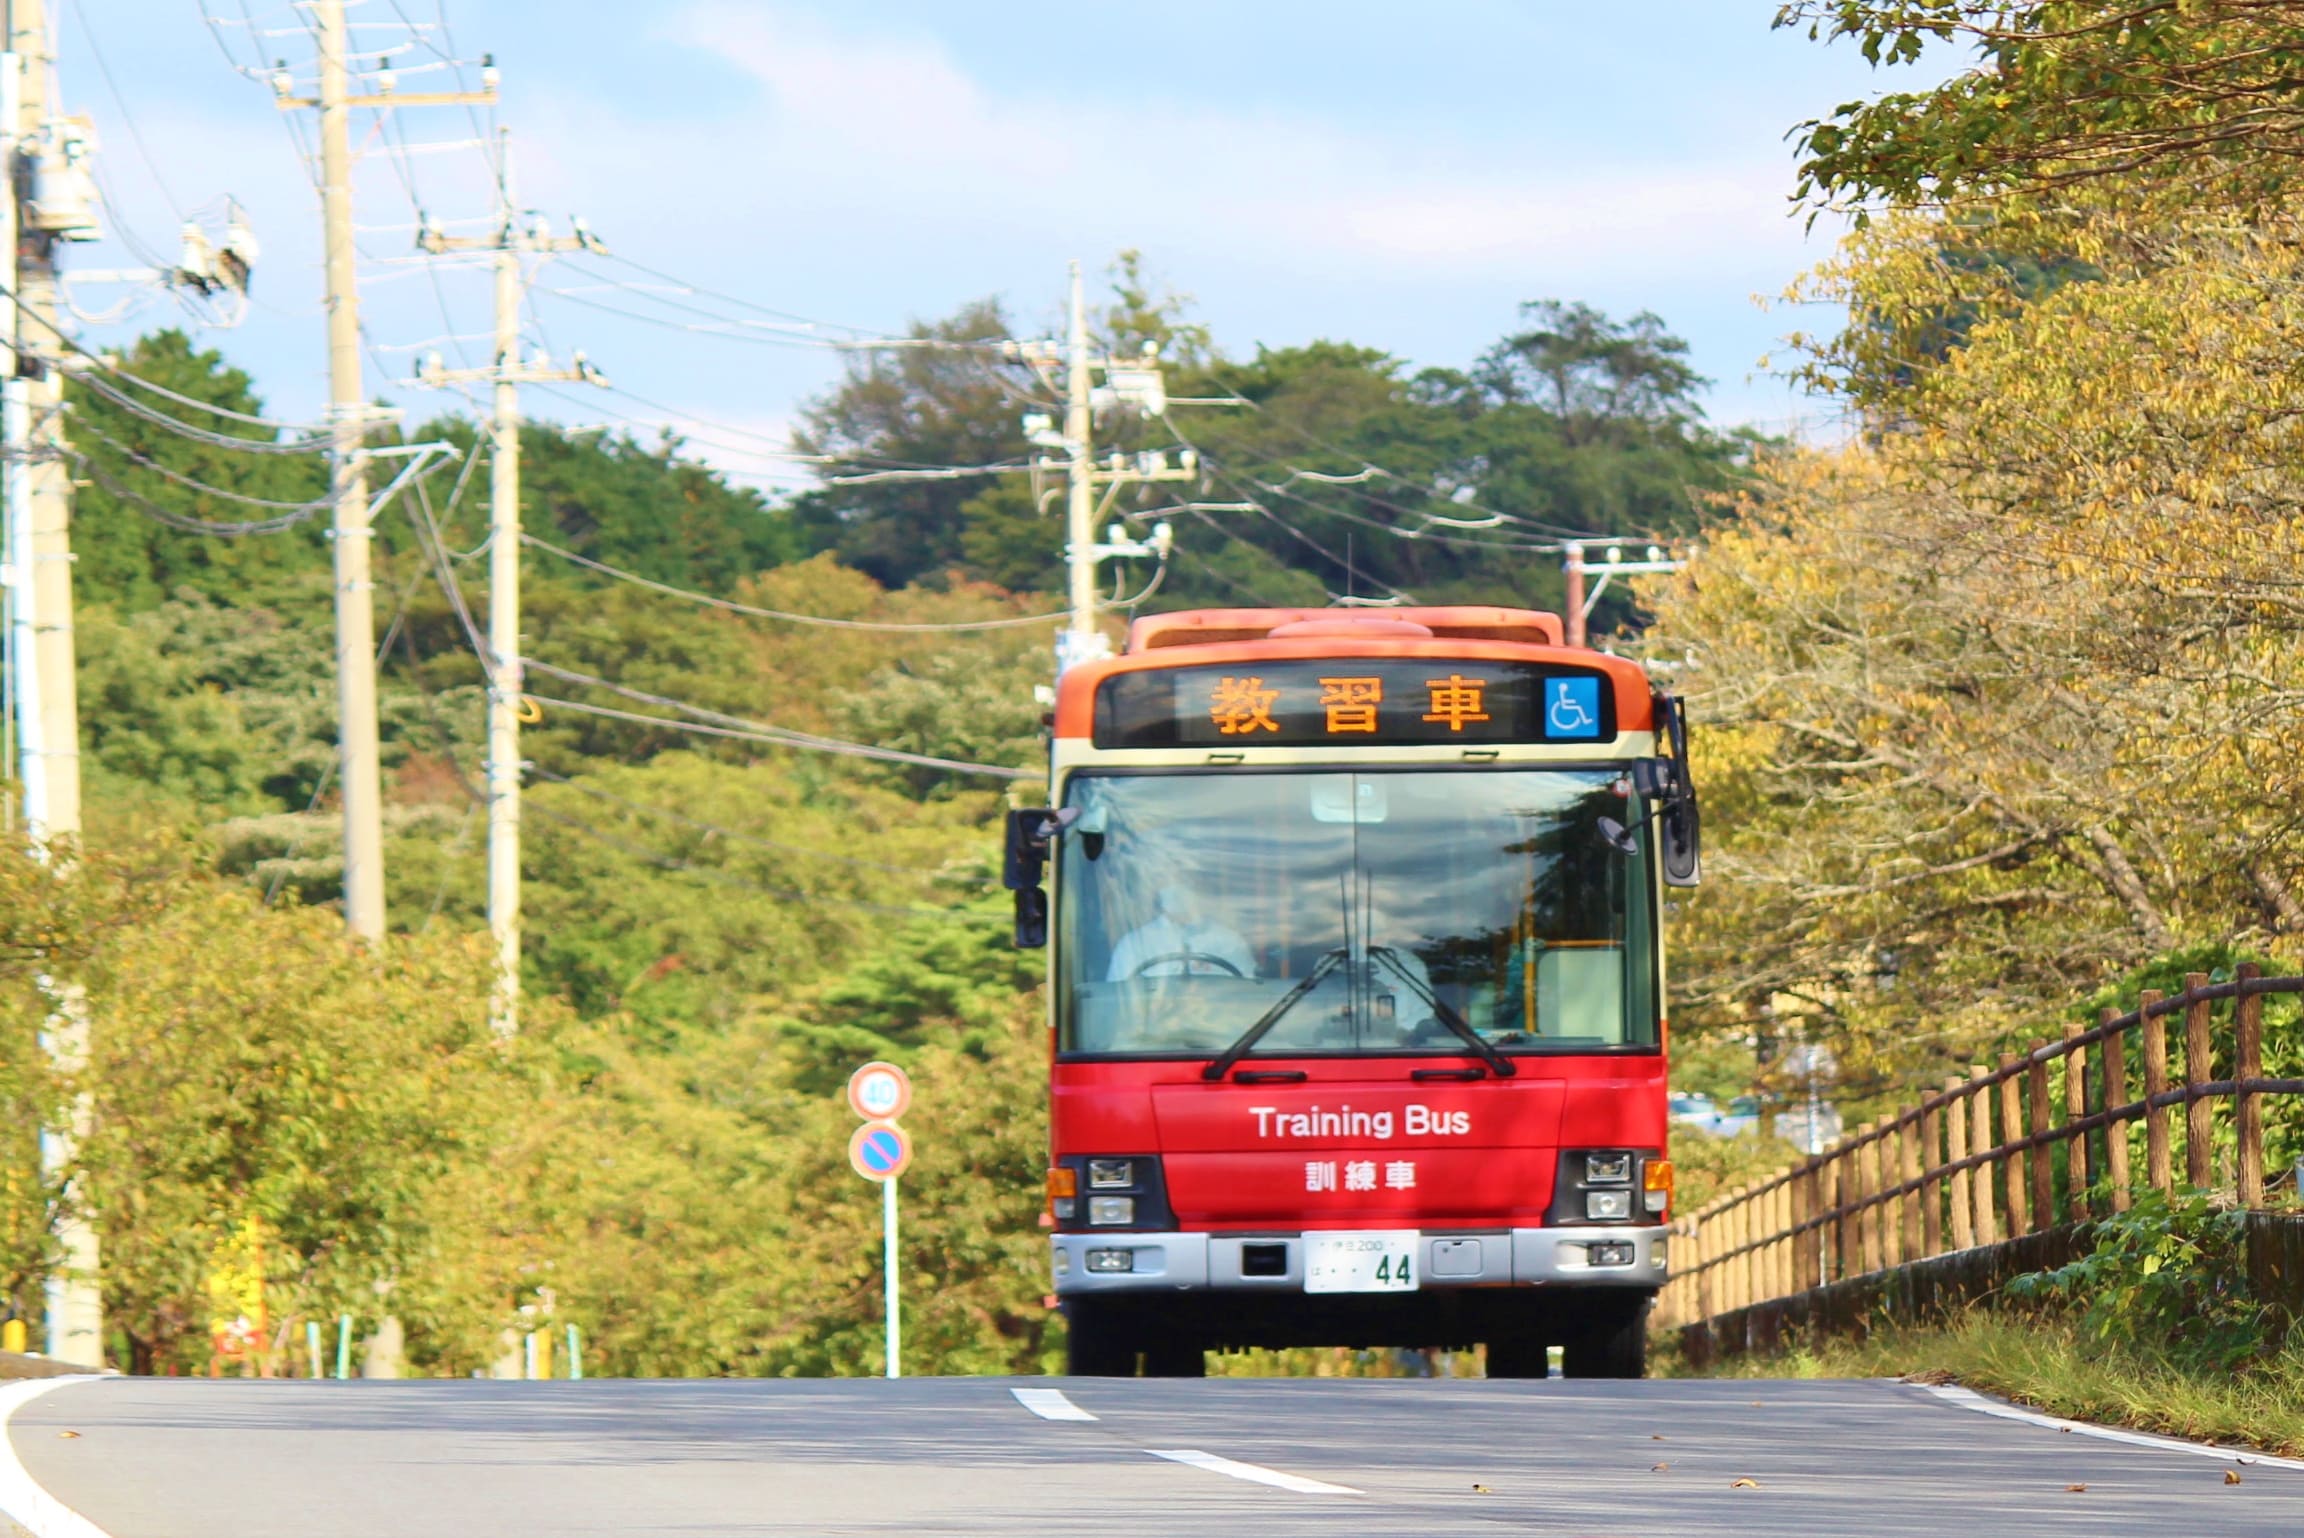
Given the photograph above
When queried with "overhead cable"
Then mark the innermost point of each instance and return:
(733, 607)
(713, 723)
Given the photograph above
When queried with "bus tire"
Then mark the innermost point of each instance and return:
(1519, 1356)
(1096, 1343)
(1175, 1358)
(1610, 1342)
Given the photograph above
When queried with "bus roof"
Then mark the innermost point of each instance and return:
(1458, 622)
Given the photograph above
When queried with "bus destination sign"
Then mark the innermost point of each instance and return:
(1342, 702)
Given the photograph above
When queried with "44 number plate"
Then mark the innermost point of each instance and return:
(1362, 1261)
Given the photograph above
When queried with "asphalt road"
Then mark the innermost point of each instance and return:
(173, 1458)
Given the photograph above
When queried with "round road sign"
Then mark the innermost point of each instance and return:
(879, 1092)
(880, 1150)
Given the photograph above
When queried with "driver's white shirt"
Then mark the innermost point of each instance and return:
(1164, 938)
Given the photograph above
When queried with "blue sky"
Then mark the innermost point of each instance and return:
(1398, 176)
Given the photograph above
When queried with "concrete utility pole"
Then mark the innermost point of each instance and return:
(1081, 637)
(1580, 603)
(506, 679)
(1572, 568)
(356, 732)
(42, 156)
(1135, 384)
(360, 774)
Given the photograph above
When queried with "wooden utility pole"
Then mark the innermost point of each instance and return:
(506, 677)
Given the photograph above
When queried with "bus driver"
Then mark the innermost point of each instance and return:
(1180, 940)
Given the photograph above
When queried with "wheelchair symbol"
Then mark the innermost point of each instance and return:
(1573, 710)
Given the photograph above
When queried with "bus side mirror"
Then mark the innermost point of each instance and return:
(1680, 828)
(1023, 864)
(1031, 918)
(1683, 856)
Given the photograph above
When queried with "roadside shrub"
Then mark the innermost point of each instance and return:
(2168, 1276)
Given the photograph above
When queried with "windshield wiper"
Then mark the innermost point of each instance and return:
(1504, 1067)
(1271, 1017)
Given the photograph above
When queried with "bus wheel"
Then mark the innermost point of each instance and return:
(1519, 1356)
(1175, 1359)
(1097, 1344)
(1610, 1342)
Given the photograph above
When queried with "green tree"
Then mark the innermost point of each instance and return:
(941, 405)
(2200, 95)
(126, 557)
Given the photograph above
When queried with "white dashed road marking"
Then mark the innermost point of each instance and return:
(1050, 1404)
(1254, 1473)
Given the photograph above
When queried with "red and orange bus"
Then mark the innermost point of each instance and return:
(1357, 984)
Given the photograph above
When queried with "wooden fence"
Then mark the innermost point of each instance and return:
(2006, 1151)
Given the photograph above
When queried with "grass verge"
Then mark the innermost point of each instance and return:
(2049, 1365)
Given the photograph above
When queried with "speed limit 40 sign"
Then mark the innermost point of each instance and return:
(879, 1092)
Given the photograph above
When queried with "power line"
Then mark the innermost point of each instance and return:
(712, 723)
(703, 292)
(162, 420)
(306, 507)
(733, 607)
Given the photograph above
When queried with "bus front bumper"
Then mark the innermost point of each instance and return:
(1596, 1256)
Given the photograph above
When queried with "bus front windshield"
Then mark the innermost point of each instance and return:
(1374, 911)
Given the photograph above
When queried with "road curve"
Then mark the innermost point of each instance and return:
(176, 1458)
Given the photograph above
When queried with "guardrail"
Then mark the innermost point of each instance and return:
(2007, 1151)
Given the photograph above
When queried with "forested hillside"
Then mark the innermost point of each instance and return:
(718, 925)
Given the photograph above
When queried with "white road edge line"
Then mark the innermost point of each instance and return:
(1252, 1472)
(1050, 1404)
(1969, 1399)
(21, 1498)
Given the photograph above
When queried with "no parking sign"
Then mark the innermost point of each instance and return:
(880, 1150)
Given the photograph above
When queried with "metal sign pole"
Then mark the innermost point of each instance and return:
(888, 1278)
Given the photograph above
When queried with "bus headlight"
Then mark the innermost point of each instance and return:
(1608, 1169)
(1111, 1211)
(1111, 1174)
(1111, 1260)
(1600, 1206)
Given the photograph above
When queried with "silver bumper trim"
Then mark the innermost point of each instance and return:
(1528, 1257)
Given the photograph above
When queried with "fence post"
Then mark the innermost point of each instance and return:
(1739, 1258)
(2248, 1110)
(2042, 1161)
(1847, 1254)
(1931, 1188)
(1891, 1209)
(1702, 1237)
(1908, 1173)
(2115, 1059)
(1868, 1187)
(1961, 1190)
(1787, 1267)
(1980, 1144)
(2075, 1109)
(2199, 1069)
(2012, 1130)
(2159, 1169)
(1802, 1207)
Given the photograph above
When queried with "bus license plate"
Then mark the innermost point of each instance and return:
(1363, 1261)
